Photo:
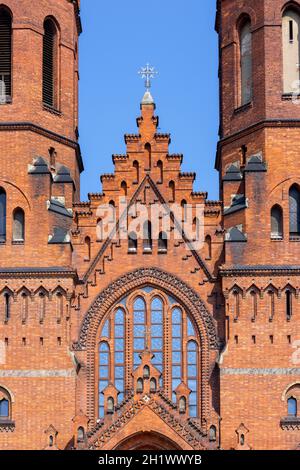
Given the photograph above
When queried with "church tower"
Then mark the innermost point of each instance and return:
(40, 164)
(257, 159)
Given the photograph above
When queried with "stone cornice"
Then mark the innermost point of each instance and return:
(290, 423)
(7, 426)
(259, 270)
(37, 272)
(270, 123)
(30, 126)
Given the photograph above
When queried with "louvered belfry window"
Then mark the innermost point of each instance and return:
(5, 56)
(49, 63)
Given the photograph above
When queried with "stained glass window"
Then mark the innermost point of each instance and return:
(4, 408)
(119, 336)
(139, 329)
(176, 349)
(192, 375)
(157, 332)
(292, 406)
(103, 374)
(153, 318)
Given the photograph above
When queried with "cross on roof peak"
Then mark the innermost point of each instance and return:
(147, 72)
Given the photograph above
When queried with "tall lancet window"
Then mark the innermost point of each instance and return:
(246, 81)
(2, 215)
(294, 200)
(291, 51)
(5, 56)
(50, 64)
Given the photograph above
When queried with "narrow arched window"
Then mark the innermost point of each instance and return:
(292, 406)
(162, 243)
(110, 405)
(289, 304)
(291, 51)
(132, 243)
(80, 434)
(7, 301)
(157, 334)
(208, 247)
(172, 191)
(4, 408)
(42, 306)
(294, 200)
(24, 298)
(182, 405)
(236, 306)
(148, 156)
(59, 306)
(184, 209)
(140, 386)
(276, 223)
(246, 62)
(137, 171)
(112, 211)
(160, 171)
(2, 215)
(18, 225)
(50, 62)
(146, 372)
(119, 337)
(177, 349)
(196, 229)
(153, 385)
(87, 243)
(5, 56)
(104, 365)
(254, 305)
(192, 375)
(212, 433)
(124, 188)
(147, 236)
(272, 304)
(139, 330)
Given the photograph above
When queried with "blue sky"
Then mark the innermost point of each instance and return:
(178, 38)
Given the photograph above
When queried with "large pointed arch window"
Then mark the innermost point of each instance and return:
(5, 56)
(149, 319)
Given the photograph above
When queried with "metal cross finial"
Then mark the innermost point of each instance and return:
(148, 72)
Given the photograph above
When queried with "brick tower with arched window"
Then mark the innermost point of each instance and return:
(257, 159)
(39, 182)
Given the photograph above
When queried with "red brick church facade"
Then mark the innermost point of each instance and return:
(149, 343)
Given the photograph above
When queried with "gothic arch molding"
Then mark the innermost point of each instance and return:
(123, 286)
